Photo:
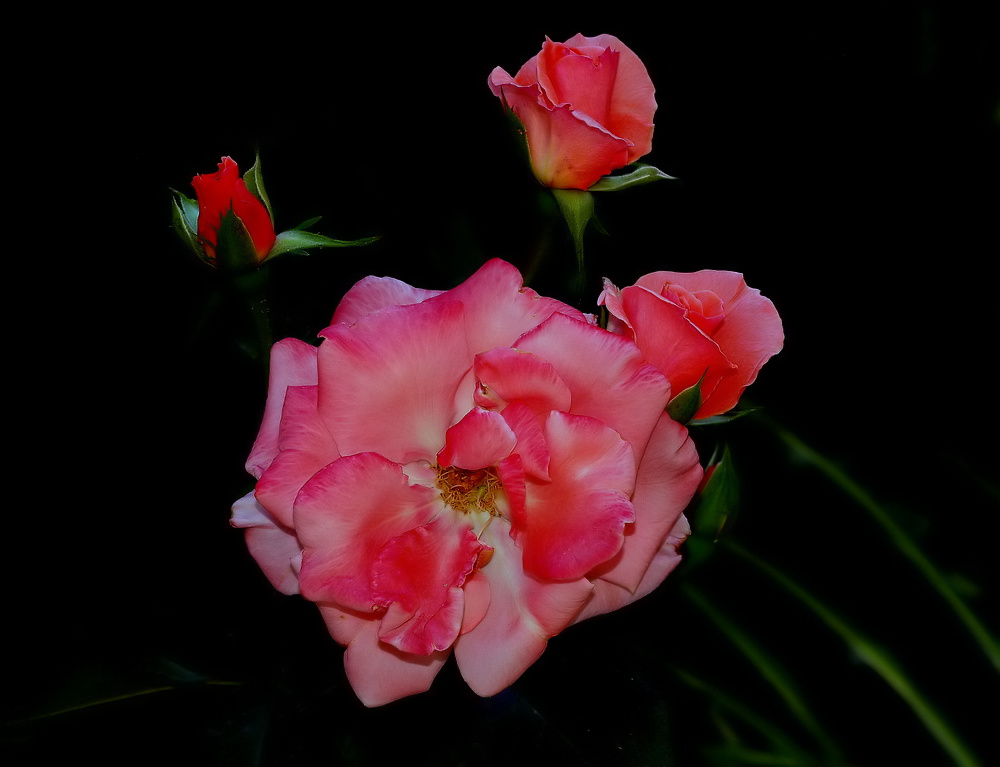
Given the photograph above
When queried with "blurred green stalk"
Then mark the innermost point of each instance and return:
(900, 539)
(786, 751)
(880, 660)
(771, 670)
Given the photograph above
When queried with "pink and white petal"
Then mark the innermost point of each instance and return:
(623, 391)
(480, 439)
(293, 363)
(280, 484)
(418, 577)
(388, 383)
(499, 77)
(531, 447)
(523, 614)
(344, 515)
(667, 478)
(673, 344)
(305, 446)
(498, 308)
(274, 547)
(726, 285)
(577, 521)
(609, 596)
(667, 558)
(633, 101)
(477, 595)
(511, 473)
(568, 149)
(515, 375)
(373, 293)
(380, 674)
(583, 79)
(343, 624)
(611, 299)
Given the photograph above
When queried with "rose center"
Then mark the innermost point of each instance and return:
(704, 308)
(468, 490)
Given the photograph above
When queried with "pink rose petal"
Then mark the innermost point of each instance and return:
(418, 577)
(524, 613)
(345, 515)
(388, 382)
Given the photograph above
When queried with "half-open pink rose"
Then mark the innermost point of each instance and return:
(705, 325)
(586, 106)
(224, 191)
(464, 472)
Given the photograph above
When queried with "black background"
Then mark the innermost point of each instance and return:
(844, 157)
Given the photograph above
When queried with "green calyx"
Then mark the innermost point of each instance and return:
(639, 174)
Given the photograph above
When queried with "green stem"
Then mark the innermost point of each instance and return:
(577, 207)
(900, 539)
(875, 657)
(251, 287)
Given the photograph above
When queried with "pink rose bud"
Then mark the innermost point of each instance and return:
(586, 106)
(221, 193)
(706, 326)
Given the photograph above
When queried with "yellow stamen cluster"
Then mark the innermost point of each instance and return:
(468, 490)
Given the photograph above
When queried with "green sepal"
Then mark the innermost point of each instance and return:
(297, 241)
(715, 420)
(234, 247)
(683, 407)
(185, 220)
(308, 223)
(718, 503)
(255, 183)
(640, 174)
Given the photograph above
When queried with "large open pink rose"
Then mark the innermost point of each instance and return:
(692, 326)
(466, 472)
(586, 106)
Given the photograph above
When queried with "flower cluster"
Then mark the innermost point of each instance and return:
(469, 472)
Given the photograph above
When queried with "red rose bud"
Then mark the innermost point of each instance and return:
(229, 212)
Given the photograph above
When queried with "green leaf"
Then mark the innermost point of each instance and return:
(641, 174)
(297, 241)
